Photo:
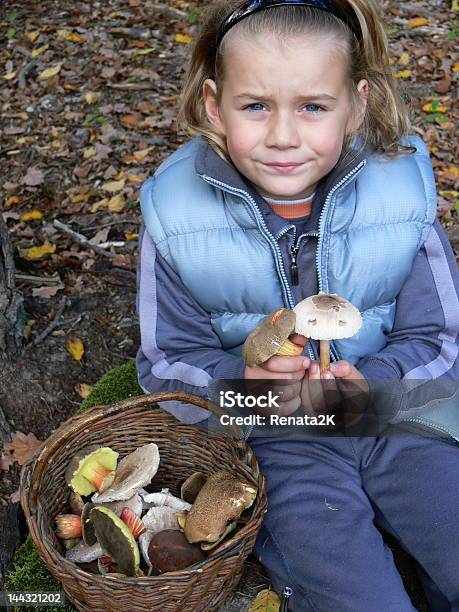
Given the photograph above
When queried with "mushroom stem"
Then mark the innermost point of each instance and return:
(324, 355)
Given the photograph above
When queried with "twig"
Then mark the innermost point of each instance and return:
(22, 83)
(168, 10)
(131, 86)
(5, 429)
(54, 323)
(119, 222)
(39, 280)
(81, 239)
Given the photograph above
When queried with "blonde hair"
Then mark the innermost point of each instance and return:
(386, 117)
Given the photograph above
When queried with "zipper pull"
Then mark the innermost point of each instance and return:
(294, 267)
(287, 592)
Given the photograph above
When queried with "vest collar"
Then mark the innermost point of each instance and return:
(209, 163)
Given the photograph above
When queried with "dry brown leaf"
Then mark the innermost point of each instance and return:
(33, 177)
(22, 446)
(46, 292)
(113, 186)
(49, 72)
(6, 461)
(117, 203)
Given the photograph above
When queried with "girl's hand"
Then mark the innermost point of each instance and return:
(285, 374)
(342, 390)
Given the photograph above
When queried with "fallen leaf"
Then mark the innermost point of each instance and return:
(101, 236)
(75, 347)
(456, 67)
(40, 251)
(417, 22)
(113, 186)
(28, 328)
(31, 215)
(183, 38)
(46, 292)
(404, 59)
(33, 177)
(39, 51)
(83, 389)
(117, 203)
(22, 446)
(266, 601)
(92, 96)
(49, 72)
(10, 201)
(15, 497)
(403, 74)
(6, 461)
(434, 107)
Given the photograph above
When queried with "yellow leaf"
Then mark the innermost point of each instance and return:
(92, 96)
(87, 153)
(117, 203)
(9, 76)
(80, 197)
(75, 347)
(428, 108)
(39, 51)
(455, 6)
(404, 59)
(456, 67)
(98, 205)
(403, 74)
(449, 194)
(113, 186)
(40, 251)
(134, 178)
(49, 72)
(453, 171)
(131, 236)
(417, 22)
(31, 215)
(28, 328)
(266, 601)
(140, 155)
(144, 51)
(63, 33)
(183, 38)
(32, 36)
(10, 201)
(83, 389)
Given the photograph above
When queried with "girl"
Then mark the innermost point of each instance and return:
(301, 177)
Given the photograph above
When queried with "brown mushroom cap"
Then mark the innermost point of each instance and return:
(191, 487)
(170, 551)
(327, 316)
(222, 499)
(268, 337)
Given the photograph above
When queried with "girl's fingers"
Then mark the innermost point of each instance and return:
(280, 363)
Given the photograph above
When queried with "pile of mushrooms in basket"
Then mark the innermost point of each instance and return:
(118, 529)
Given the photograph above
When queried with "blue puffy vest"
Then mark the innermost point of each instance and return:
(372, 225)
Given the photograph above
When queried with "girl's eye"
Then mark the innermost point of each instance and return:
(316, 106)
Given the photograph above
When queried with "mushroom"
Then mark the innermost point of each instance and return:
(92, 469)
(87, 528)
(76, 503)
(134, 503)
(222, 499)
(129, 517)
(68, 526)
(133, 472)
(165, 498)
(271, 338)
(170, 551)
(191, 487)
(116, 540)
(325, 317)
(82, 553)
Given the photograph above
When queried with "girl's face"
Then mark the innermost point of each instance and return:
(284, 104)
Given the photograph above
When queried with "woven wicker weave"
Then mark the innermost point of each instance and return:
(183, 450)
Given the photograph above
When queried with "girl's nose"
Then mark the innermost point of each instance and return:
(282, 131)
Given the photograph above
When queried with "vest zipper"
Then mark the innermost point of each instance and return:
(430, 425)
(323, 286)
(286, 594)
(294, 249)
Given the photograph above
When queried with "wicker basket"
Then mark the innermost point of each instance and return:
(183, 450)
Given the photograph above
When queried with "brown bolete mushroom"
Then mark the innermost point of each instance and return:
(271, 337)
(133, 472)
(325, 317)
(116, 540)
(170, 551)
(92, 469)
(191, 487)
(222, 499)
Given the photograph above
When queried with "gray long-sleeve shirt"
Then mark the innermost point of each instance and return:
(177, 336)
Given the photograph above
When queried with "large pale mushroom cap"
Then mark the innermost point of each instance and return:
(327, 316)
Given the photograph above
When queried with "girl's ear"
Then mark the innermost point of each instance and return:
(209, 93)
(357, 120)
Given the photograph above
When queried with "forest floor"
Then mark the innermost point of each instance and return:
(88, 106)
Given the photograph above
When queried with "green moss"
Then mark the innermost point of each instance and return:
(116, 385)
(27, 571)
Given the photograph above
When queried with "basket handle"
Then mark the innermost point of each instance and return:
(81, 421)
